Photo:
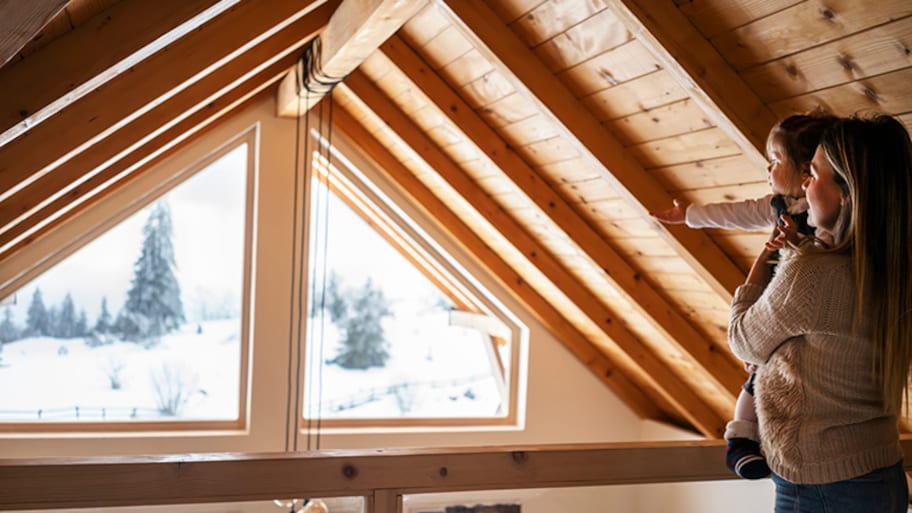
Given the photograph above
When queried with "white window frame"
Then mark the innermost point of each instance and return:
(111, 210)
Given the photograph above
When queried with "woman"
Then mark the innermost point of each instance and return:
(830, 332)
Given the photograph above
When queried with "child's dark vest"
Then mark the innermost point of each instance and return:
(800, 219)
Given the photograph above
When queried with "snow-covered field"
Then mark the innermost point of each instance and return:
(433, 371)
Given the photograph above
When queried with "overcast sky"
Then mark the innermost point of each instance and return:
(207, 213)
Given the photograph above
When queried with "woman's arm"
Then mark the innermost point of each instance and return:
(768, 310)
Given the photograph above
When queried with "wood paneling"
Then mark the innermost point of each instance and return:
(803, 25)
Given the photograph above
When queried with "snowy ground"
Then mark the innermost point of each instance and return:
(432, 372)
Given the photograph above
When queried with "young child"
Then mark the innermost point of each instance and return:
(790, 147)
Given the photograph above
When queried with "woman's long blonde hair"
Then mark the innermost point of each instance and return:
(872, 159)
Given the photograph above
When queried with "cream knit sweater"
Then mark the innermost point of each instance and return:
(821, 415)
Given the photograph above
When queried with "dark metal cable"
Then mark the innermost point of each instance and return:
(291, 316)
(313, 79)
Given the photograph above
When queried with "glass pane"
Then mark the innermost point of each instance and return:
(142, 323)
(382, 345)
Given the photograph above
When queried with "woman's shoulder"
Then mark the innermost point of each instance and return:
(819, 264)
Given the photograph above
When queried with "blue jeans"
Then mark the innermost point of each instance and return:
(881, 491)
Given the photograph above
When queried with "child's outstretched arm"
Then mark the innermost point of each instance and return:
(675, 215)
(750, 214)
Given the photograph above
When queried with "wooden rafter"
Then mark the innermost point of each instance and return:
(605, 370)
(21, 212)
(600, 147)
(698, 68)
(133, 164)
(130, 95)
(20, 21)
(616, 270)
(356, 29)
(689, 404)
(76, 63)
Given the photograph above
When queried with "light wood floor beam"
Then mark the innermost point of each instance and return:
(532, 78)
(81, 60)
(130, 95)
(645, 299)
(606, 371)
(689, 404)
(355, 31)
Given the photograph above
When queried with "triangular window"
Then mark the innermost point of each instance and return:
(143, 323)
(398, 332)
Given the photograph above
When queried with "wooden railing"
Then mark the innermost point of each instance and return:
(382, 476)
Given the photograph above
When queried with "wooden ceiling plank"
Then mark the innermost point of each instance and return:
(725, 97)
(78, 62)
(281, 46)
(132, 165)
(647, 92)
(355, 30)
(129, 95)
(873, 52)
(712, 18)
(20, 21)
(614, 268)
(601, 149)
(690, 404)
(803, 25)
(884, 93)
(605, 370)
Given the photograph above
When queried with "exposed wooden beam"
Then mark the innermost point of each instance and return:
(20, 21)
(356, 29)
(701, 71)
(81, 60)
(130, 95)
(596, 143)
(18, 211)
(689, 404)
(645, 299)
(133, 163)
(603, 368)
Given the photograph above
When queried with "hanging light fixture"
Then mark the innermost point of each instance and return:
(302, 505)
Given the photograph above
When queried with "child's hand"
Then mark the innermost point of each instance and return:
(786, 231)
(674, 215)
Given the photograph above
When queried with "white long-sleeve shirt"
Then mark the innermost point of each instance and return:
(753, 214)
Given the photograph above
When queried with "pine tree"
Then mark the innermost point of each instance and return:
(8, 330)
(37, 322)
(65, 326)
(103, 324)
(82, 324)
(153, 307)
(364, 343)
